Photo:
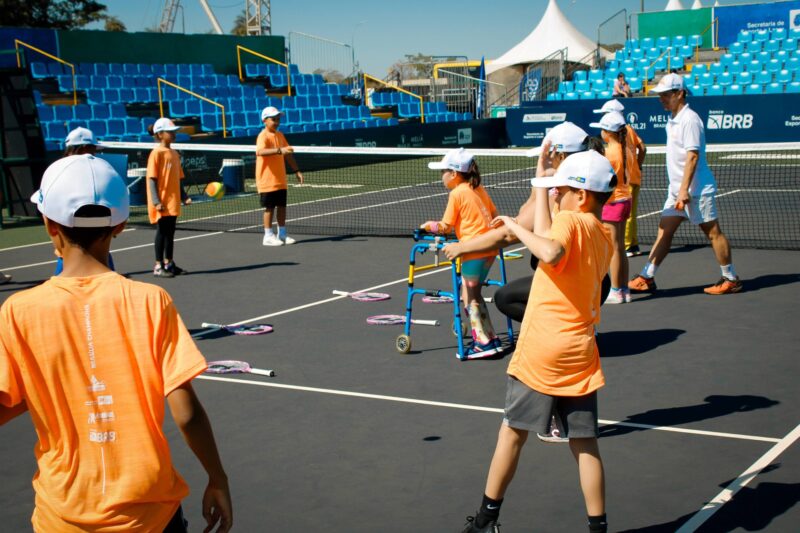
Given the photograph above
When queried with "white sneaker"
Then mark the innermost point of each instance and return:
(615, 297)
(288, 240)
(271, 240)
(626, 294)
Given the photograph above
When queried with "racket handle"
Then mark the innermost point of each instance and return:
(341, 293)
(425, 322)
(268, 373)
(207, 325)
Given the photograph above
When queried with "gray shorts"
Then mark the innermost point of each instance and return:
(531, 410)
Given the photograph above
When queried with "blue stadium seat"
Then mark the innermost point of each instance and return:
(55, 131)
(636, 84)
(778, 34)
(46, 113)
(772, 46)
(113, 81)
(793, 87)
(133, 126)
(330, 114)
(743, 78)
(582, 86)
(313, 100)
(714, 90)
(736, 67)
(734, 89)
(81, 112)
(587, 95)
(764, 57)
(784, 76)
(343, 114)
(736, 48)
(726, 59)
(318, 115)
(158, 70)
(753, 88)
(116, 69)
(579, 75)
(210, 122)
(646, 42)
(744, 36)
(636, 53)
(753, 47)
(726, 78)
(254, 119)
(773, 66)
(679, 40)
(116, 127)
(62, 112)
(705, 80)
(689, 79)
(763, 77)
(177, 108)
(789, 44)
(306, 116)
(39, 70)
(676, 62)
(54, 69)
(696, 90)
(773, 88)
(595, 75)
(761, 35)
(570, 96)
(662, 42)
(100, 111)
(698, 69)
(652, 53)
(126, 95)
(753, 66)
(716, 69)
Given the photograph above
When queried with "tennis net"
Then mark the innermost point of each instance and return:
(390, 191)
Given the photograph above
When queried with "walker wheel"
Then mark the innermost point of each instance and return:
(403, 343)
(464, 329)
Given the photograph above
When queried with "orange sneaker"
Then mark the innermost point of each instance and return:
(724, 286)
(642, 284)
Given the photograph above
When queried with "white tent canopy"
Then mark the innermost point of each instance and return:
(554, 32)
(697, 4)
(674, 5)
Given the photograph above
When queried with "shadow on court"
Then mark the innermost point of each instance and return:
(751, 509)
(714, 406)
(226, 270)
(624, 343)
(749, 285)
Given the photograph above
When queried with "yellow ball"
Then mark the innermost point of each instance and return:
(215, 190)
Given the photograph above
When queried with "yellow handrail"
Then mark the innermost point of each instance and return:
(17, 42)
(715, 25)
(418, 97)
(239, 48)
(668, 51)
(187, 91)
(470, 63)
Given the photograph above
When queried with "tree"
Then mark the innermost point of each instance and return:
(240, 24)
(55, 14)
(330, 75)
(114, 24)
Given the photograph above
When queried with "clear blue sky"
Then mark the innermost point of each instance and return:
(392, 29)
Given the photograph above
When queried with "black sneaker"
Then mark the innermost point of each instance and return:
(633, 251)
(491, 527)
(161, 272)
(175, 269)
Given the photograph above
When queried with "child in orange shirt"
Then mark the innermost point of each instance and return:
(272, 148)
(617, 210)
(469, 212)
(556, 366)
(92, 356)
(164, 196)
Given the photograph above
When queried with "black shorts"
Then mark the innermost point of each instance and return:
(271, 200)
(531, 410)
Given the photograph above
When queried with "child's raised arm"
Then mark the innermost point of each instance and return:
(191, 418)
(545, 249)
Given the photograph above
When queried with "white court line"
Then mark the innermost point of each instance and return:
(473, 407)
(740, 482)
(44, 242)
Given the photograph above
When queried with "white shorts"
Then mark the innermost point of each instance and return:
(699, 210)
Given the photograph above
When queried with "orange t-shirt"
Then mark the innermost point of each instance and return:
(614, 155)
(556, 352)
(270, 169)
(94, 358)
(634, 143)
(470, 211)
(164, 165)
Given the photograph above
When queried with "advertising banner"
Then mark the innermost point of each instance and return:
(727, 119)
(754, 17)
(530, 85)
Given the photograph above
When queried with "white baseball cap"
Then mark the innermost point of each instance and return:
(81, 137)
(459, 160)
(613, 121)
(586, 170)
(78, 180)
(611, 105)
(566, 137)
(670, 82)
(269, 112)
(164, 124)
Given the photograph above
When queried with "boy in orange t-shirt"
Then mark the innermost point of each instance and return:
(271, 149)
(92, 355)
(556, 366)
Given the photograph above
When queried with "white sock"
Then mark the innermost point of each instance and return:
(268, 232)
(728, 272)
(649, 270)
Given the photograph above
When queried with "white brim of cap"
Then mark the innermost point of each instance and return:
(534, 152)
(35, 197)
(600, 111)
(173, 128)
(438, 165)
(265, 117)
(596, 125)
(656, 90)
(549, 182)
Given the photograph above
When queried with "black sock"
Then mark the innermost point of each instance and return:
(598, 524)
(490, 510)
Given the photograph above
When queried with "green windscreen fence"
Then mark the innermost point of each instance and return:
(85, 46)
(671, 23)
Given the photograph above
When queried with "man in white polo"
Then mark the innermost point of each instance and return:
(692, 191)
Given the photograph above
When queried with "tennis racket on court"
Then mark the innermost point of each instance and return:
(437, 299)
(236, 367)
(244, 329)
(393, 320)
(364, 296)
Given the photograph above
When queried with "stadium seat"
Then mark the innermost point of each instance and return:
(81, 112)
(698, 69)
(46, 113)
(553, 96)
(587, 95)
(636, 53)
(773, 66)
(744, 36)
(579, 75)
(133, 126)
(763, 77)
(651, 54)
(726, 78)
(761, 35)
(736, 67)
(743, 78)
(695, 40)
(784, 76)
(646, 42)
(662, 42)
(55, 131)
(570, 96)
(789, 44)
(676, 62)
(39, 70)
(54, 69)
(793, 87)
(679, 40)
(772, 46)
(63, 113)
(753, 88)
(753, 67)
(715, 69)
(733, 89)
(714, 90)
(726, 59)
(753, 47)
(689, 79)
(697, 90)
(582, 86)
(595, 74)
(773, 88)
(764, 57)
(604, 94)
(736, 48)
(793, 65)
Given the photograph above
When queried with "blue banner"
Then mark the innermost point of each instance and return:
(481, 90)
(728, 119)
(754, 17)
(530, 85)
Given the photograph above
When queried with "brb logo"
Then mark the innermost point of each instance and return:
(794, 18)
(719, 120)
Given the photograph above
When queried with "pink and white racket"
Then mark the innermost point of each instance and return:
(364, 296)
(236, 367)
(393, 320)
(437, 300)
(244, 329)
